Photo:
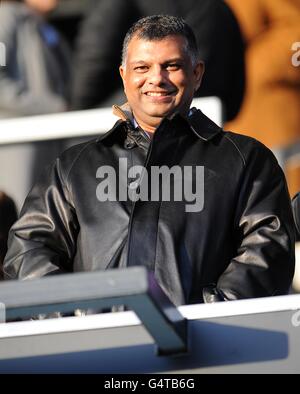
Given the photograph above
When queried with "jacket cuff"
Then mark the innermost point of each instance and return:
(212, 294)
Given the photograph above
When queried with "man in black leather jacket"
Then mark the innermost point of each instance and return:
(103, 204)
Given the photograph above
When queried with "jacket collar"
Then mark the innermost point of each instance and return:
(203, 127)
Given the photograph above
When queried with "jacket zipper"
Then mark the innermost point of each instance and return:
(134, 203)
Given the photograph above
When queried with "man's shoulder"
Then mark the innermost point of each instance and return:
(77, 151)
(79, 154)
(248, 147)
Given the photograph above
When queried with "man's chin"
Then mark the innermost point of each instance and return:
(161, 112)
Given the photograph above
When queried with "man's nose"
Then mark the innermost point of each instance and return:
(157, 75)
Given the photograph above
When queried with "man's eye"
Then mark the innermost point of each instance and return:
(141, 68)
(173, 67)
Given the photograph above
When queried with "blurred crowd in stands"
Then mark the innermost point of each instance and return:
(247, 46)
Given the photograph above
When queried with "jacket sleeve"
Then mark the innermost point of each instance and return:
(43, 240)
(265, 239)
(15, 97)
(296, 213)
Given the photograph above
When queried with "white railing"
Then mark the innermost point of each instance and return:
(79, 123)
(245, 336)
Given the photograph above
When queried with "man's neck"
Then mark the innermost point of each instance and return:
(151, 129)
(150, 133)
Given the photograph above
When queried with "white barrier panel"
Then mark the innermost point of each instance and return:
(79, 124)
(248, 336)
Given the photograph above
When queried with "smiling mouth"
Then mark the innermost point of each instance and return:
(159, 94)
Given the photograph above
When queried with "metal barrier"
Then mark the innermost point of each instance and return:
(247, 336)
(133, 287)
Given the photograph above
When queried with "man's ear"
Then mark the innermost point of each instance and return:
(122, 73)
(199, 71)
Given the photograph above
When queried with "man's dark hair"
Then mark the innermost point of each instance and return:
(158, 27)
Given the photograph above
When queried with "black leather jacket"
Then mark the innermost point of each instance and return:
(240, 245)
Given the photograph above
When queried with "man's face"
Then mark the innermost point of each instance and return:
(159, 79)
